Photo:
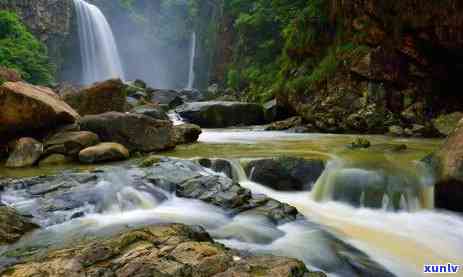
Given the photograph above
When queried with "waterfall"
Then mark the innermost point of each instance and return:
(100, 57)
(191, 73)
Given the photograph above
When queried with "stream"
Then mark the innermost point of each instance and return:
(379, 200)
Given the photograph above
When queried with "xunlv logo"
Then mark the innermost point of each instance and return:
(448, 268)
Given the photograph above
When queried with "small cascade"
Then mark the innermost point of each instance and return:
(100, 57)
(175, 118)
(191, 72)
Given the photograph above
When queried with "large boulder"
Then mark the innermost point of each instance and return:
(70, 143)
(99, 98)
(171, 98)
(219, 114)
(166, 250)
(445, 124)
(13, 226)
(285, 173)
(25, 108)
(447, 163)
(104, 152)
(26, 152)
(134, 131)
(154, 111)
(274, 111)
(186, 133)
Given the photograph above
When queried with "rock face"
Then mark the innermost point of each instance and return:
(70, 143)
(104, 152)
(448, 164)
(186, 133)
(217, 114)
(286, 173)
(25, 108)
(134, 131)
(13, 226)
(26, 152)
(158, 250)
(99, 98)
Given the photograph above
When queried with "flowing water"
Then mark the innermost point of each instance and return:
(378, 200)
(191, 72)
(100, 57)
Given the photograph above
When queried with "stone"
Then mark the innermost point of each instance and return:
(70, 143)
(414, 114)
(154, 111)
(98, 98)
(171, 98)
(220, 114)
(274, 111)
(27, 152)
(25, 108)
(134, 131)
(396, 130)
(285, 173)
(13, 226)
(166, 250)
(104, 152)
(445, 124)
(292, 122)
(186, 133)
(447, 162)
(54, 159)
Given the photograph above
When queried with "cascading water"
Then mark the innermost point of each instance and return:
(191, 72)
(100, 57)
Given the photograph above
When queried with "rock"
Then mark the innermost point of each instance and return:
(445, 124)
(70, 143)
(396, 130)
(13, 226)
(215, 114)
(275, 112)
(186, 133)
(25, 108)
(171, 98)
(154, 111)
(447, 162)
(287, 124)
(157, 250)
(54, 159)
(359, 143)
(134, 131)
(219, 166)
(191, 95)
(104, 152)
(414, 114)
(285, 173)
(9, 75)
(26, 152)
(99, 98)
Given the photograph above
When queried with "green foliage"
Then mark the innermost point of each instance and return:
(20, 50)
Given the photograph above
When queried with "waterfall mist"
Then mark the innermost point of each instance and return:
(191, 73)
(99, 53)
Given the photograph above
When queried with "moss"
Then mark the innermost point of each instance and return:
(150, 161)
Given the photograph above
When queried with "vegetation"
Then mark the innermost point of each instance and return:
(20, 50)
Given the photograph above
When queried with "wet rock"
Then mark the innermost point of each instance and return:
(287, 124)
(186, 133)
(285, 173)
(27, 152)
(25, 108)
(396, 130)
(445, 124)
(274, 111)
(359, 143)
(216, 114)
(415, 114)
(99, 98)
(219, 166)
(134, 131)
(13, 226)
(447, 162)
(154, 111)
(104, 152)
(70, 143)
(54, 159)
(157, 250)
(171, 98)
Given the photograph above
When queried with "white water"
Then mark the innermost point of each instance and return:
(100, 57)
(191, 72)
